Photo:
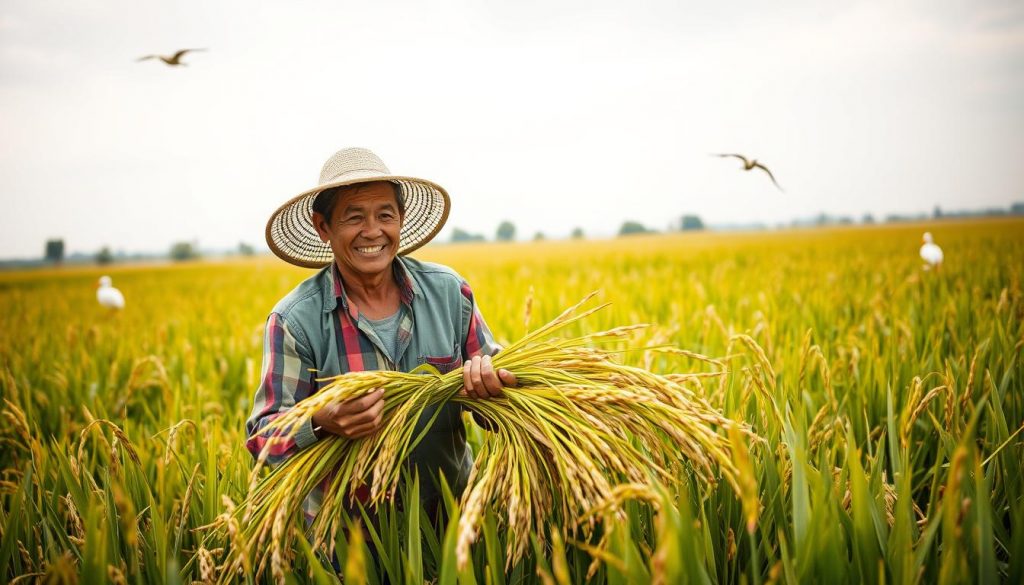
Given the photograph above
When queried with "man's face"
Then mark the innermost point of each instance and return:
(363, 230)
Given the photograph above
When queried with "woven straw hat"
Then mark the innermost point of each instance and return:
(290, 232)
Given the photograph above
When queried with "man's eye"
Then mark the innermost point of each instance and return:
(354, 219)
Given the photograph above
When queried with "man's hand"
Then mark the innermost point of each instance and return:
(353, 418)
(482, 381)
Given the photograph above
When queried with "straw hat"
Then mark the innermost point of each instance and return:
(290, 232)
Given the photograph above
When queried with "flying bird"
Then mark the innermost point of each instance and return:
(174, 60)
(931, 253)
(108, 296)
(749, 164)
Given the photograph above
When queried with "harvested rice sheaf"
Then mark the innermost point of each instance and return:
(577, 425)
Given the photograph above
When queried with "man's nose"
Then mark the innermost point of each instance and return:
(371, 227)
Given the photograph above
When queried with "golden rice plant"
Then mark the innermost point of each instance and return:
(577, 425)
(832, 343)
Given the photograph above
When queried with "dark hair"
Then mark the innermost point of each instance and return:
(327, 199)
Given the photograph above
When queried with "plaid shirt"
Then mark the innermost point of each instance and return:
(315, 331)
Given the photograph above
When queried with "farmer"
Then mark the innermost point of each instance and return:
(369, 307)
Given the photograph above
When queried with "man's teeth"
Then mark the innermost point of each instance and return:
(371, 249)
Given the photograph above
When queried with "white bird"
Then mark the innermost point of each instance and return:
(108, 296)
(931, 253)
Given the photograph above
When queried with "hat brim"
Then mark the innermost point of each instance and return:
(292, 237)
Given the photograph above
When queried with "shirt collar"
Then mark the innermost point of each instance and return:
(334, 293)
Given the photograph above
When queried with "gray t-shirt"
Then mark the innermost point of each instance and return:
(387, 331)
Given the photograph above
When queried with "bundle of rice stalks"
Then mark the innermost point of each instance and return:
(577, 425)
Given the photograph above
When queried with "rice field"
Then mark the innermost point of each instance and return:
(885, 404)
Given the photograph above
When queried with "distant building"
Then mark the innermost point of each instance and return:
(54, 251)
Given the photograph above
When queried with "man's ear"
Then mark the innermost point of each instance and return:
(321, 226)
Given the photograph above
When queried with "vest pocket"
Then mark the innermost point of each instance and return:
(446, 363)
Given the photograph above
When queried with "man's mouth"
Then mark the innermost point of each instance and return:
(370, 249)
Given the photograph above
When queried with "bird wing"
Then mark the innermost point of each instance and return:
(770, 175)
(739, 156)
(147, 57)
(182, 52)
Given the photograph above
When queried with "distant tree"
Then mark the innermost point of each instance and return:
(181, 251)
(844, 220)
(577, 233)
(867, 219)
(632, 227)
(937, 212)
(104, 256)
(539, 237)
(1017, 208)
(54, 251)
(506, 232)
(691, 222)
(461, 235)
(245, 249)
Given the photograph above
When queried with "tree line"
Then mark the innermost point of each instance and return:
(506, 231)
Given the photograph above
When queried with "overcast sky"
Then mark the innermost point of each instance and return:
(552, 114)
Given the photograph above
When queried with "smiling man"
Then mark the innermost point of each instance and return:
(369, 307)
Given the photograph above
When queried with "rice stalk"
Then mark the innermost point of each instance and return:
(577, 425)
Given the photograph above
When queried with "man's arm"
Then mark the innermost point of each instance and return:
(477, 339)
(479, 377)
(285, 379)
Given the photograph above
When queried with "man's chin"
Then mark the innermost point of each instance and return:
(371, 265)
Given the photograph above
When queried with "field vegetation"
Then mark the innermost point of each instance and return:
(885, 404)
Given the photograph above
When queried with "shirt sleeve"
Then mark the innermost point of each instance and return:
(476, 336)
(284, 380)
